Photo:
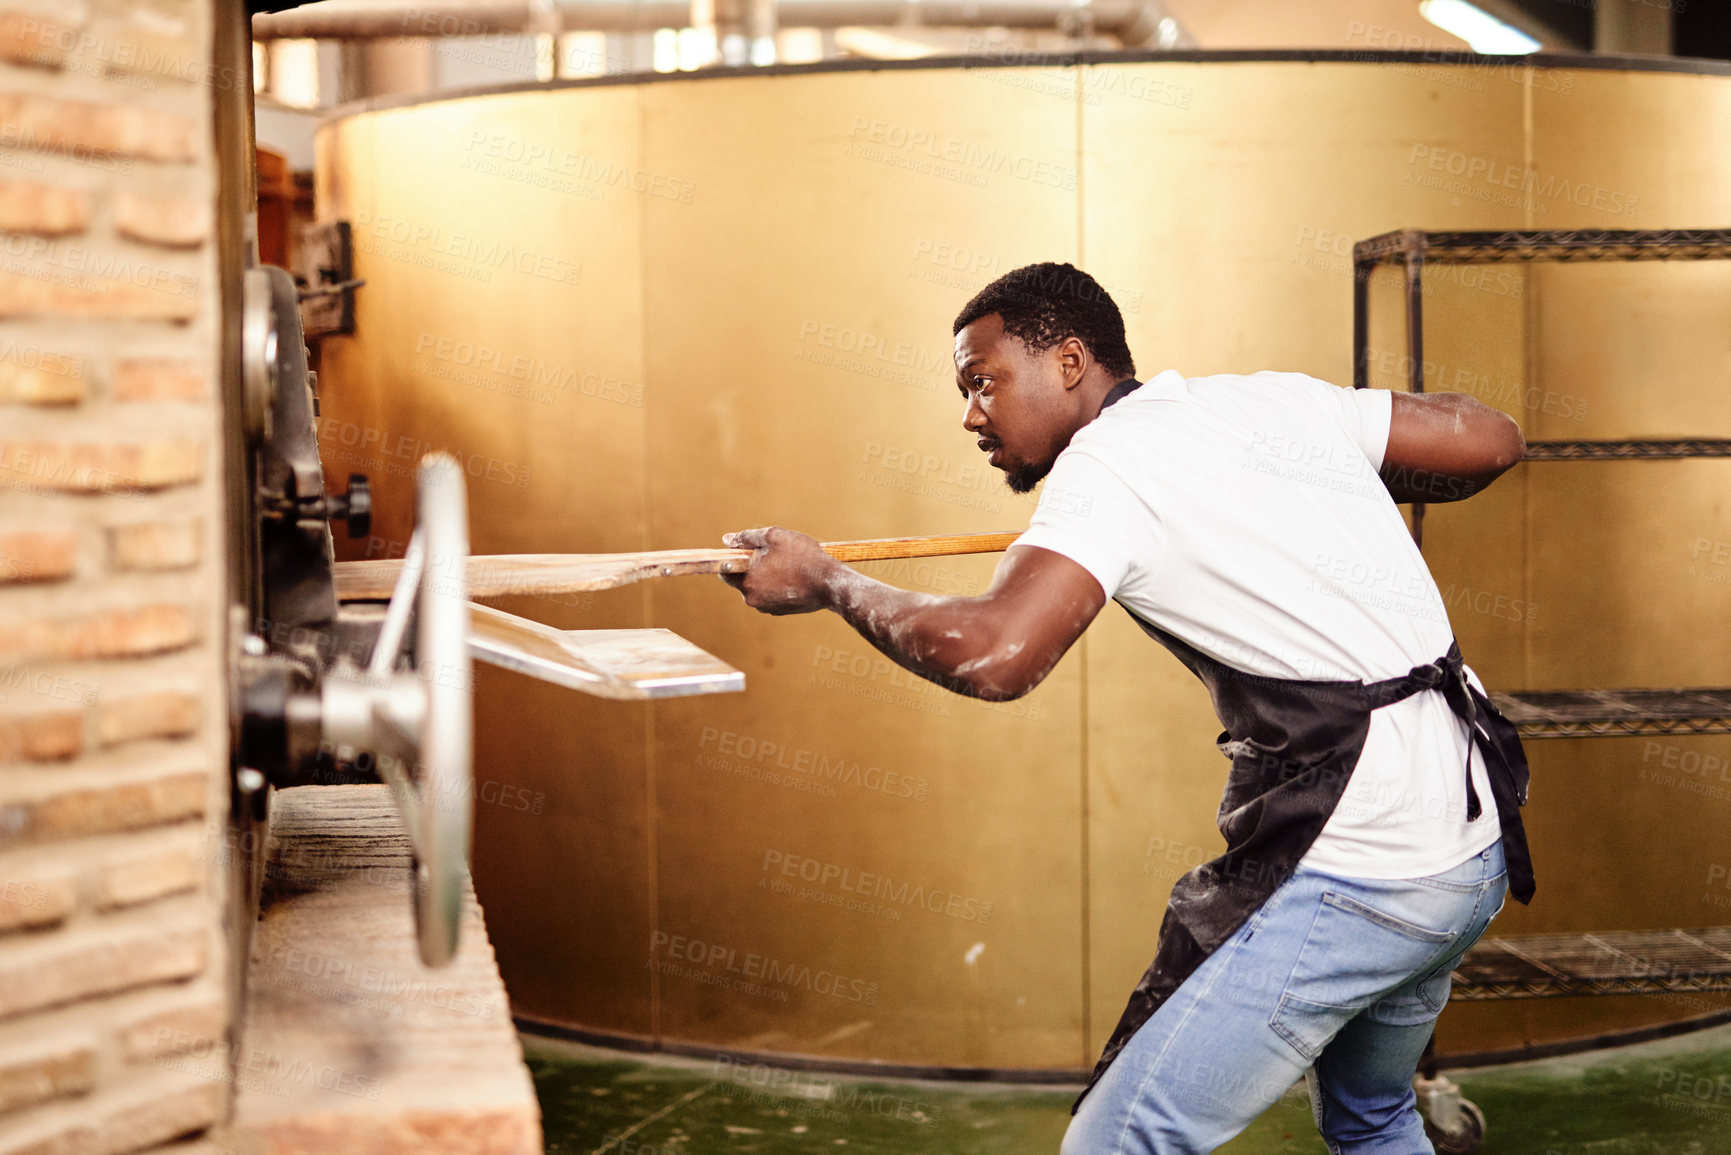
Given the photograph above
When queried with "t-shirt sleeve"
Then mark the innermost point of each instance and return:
(1367, 415)
(1088, 514)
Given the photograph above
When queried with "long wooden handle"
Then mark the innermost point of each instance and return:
(546, 574)
(886, 548)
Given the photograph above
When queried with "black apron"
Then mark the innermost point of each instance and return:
(1293, 744)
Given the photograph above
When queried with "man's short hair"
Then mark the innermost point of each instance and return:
(1045, 303)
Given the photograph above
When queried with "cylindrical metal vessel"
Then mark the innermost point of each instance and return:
(645, 312)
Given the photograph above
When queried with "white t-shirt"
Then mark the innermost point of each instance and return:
(1245, 516)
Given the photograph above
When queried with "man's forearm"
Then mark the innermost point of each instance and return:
(946, 640)
(997, 646)
(1406, 484)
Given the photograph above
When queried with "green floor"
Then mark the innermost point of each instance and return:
(1665, 1098)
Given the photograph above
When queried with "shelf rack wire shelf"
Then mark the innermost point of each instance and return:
(1605, 962)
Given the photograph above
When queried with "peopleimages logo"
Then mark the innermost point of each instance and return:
(877, 886)
(530, 371)
(464, 252)
(489, 150)
(837, 769)
(86, 269)
(41, 360)
(1492, 175)
(403, 988)
(749, 966)
(921, 149)
(367, 444)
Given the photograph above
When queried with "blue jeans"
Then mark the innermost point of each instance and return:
(1336, 979)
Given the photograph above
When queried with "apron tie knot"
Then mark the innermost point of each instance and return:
(1430, 675)
(1448, 674)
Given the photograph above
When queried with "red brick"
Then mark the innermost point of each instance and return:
(52, 291)
(55, 379)
(127, 633)
(82, 811)
(36, 555)
(156, 545)
(98, 960)
(160, 379)
(35, 897)
(196, 1028)
(166, 47)
(41, 736)
(43, 1070)
(43, 209)
(26, 39)
(112, 1125)
(80, 128)
(180, 222)
(145, 878)
(100, 467)
(163, 714)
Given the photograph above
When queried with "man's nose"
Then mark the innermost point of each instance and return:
(974, 418)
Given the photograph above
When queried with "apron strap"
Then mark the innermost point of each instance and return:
(1448, 674)
(1498, 743)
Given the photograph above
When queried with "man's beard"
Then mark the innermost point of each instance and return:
(1023, 478)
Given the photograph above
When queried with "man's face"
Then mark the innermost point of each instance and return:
(1018, 404)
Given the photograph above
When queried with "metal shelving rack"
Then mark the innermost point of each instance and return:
(1415, 248)
(1616, 713)
(1626, 962)
(1619, 962)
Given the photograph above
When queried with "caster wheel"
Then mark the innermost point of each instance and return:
(1466, 1138)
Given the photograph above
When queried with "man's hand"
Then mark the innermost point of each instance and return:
(789, 573)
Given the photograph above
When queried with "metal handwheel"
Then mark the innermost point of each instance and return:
(413, 713)
(304, 711)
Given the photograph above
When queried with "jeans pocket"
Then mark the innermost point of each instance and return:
(1433, 989)
(1353, 954)
(1398, 925)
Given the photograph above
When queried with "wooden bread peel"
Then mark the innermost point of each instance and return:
(501, 575)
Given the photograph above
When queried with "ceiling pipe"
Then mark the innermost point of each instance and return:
(1135, 23)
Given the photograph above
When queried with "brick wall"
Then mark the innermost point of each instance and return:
(113, 733)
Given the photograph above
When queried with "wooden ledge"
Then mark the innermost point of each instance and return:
(348, 1044)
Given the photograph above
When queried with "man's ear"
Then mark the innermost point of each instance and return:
(1073, 361)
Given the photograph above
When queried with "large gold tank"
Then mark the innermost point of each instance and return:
(648, 312)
